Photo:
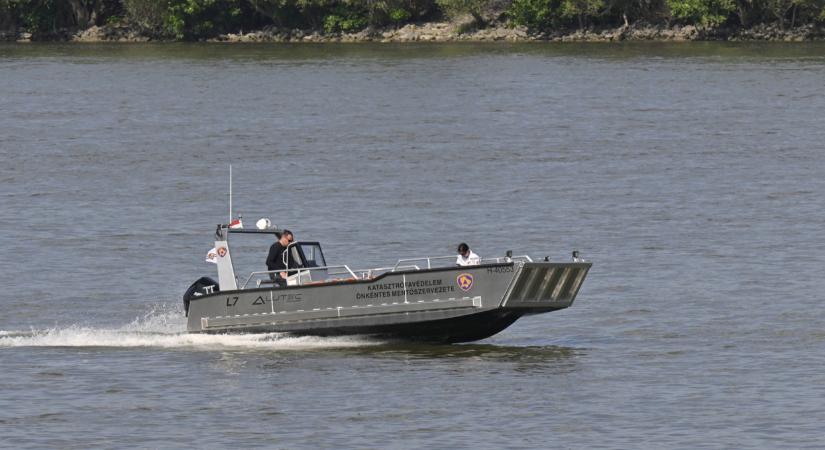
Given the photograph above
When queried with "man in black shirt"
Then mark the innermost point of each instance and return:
(275, 259)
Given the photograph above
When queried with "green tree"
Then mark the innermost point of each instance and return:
(581, 10)
(534, 14)
(346, 18)
(196, 19)
(779, 9)
(316, 14)
(382, 12)
(706, 13)
(36, 15)
(84, 12)
(805, 11)
(147, 14)
(748, 11)
(7, 18)
(457, 8)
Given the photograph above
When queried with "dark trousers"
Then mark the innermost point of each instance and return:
(277, 280)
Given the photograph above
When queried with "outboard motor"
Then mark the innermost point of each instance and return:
(203, 286)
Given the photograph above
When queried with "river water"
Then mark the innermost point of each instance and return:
(691, 175)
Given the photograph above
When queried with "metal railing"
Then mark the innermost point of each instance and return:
(430, 259)
(505, 259)
(369, 273)
(363, 274)
(302, 270)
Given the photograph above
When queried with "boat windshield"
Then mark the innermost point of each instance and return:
(312, 255)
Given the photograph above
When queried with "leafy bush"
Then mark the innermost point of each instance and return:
(195, 19)
(6, 16)
(192, 19)
(399, 15)
(147, 14)
(457, 8)
(345, 20)
(797, 11)
(706, 13)
(36, 16)
(383, 12)
(534, 14)
(581, 10)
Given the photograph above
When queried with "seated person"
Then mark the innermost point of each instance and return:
(275, 259)
(466, 257)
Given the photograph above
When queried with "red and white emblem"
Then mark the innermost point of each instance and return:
(222, 252)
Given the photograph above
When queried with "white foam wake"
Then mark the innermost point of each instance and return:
(167, 330)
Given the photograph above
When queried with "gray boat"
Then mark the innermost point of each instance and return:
(426, 299)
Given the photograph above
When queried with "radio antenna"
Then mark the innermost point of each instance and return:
(230, 193)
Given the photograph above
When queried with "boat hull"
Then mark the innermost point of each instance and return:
(457, 304)
(468, 328)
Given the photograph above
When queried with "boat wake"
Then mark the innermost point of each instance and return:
(166, 329)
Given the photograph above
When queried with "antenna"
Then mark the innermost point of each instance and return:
(230, 193)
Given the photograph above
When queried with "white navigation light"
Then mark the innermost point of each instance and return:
(263, 223)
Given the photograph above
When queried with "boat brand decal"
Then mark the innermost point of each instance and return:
(291, 298)
(465, 281)
(222, 252)
(259, 301)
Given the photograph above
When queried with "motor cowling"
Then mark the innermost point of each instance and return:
(201, 287)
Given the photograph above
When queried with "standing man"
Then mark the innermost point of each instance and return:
(466, 257)
(275, 259)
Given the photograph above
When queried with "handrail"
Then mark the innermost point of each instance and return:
(299, 270)
(508, 259)
(367, 273)
(430, 259)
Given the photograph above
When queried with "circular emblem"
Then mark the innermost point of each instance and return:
(464, 281)
(222, 252)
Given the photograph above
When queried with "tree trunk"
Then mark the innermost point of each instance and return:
(264, 8)
(6, 21)
(480, 22)
(83, 12)
(746, 12)
(793, 16)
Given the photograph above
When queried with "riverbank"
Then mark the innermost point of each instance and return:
(449, 32)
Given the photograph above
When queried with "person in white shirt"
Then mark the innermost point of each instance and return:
(466, 257)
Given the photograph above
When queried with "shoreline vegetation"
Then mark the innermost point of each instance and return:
(411, 20)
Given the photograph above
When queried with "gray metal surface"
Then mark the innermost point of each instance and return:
(546, 285)
(328, 314)
(393, 298)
